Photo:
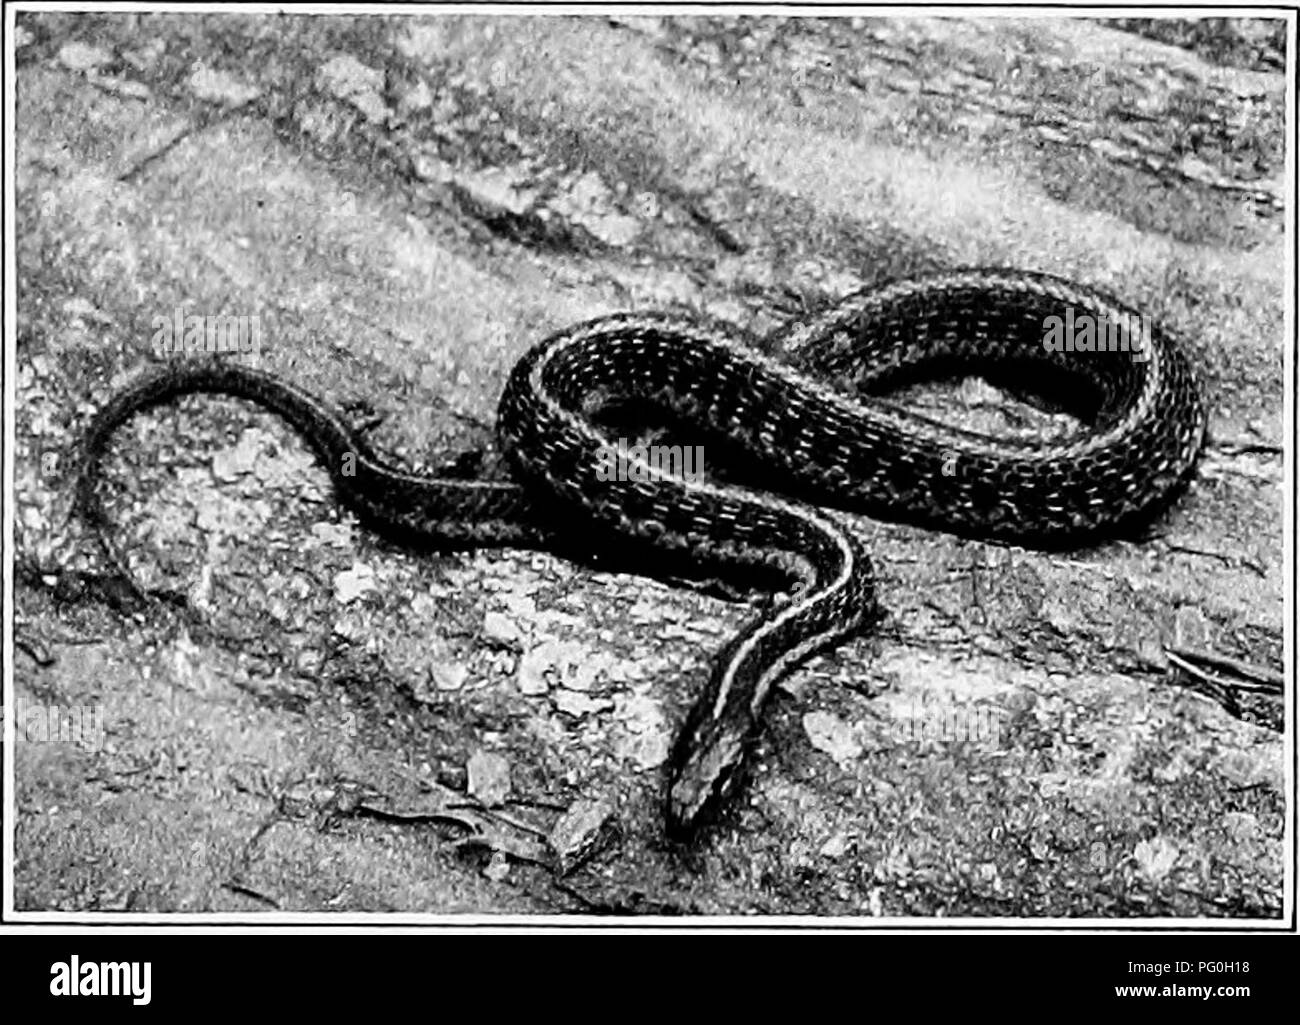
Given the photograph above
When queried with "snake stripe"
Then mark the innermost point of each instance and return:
(809, 423)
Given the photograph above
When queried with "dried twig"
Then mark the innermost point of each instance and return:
(1264, 679)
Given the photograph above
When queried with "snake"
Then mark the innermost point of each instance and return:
(807, 432)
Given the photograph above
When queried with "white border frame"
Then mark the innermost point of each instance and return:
(351, 923)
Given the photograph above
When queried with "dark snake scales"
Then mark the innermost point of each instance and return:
(814, 443)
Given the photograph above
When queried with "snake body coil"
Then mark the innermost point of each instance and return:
(811, 442)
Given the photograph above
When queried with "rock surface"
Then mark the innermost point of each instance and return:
(405, 205)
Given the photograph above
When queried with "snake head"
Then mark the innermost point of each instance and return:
(706, 769)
